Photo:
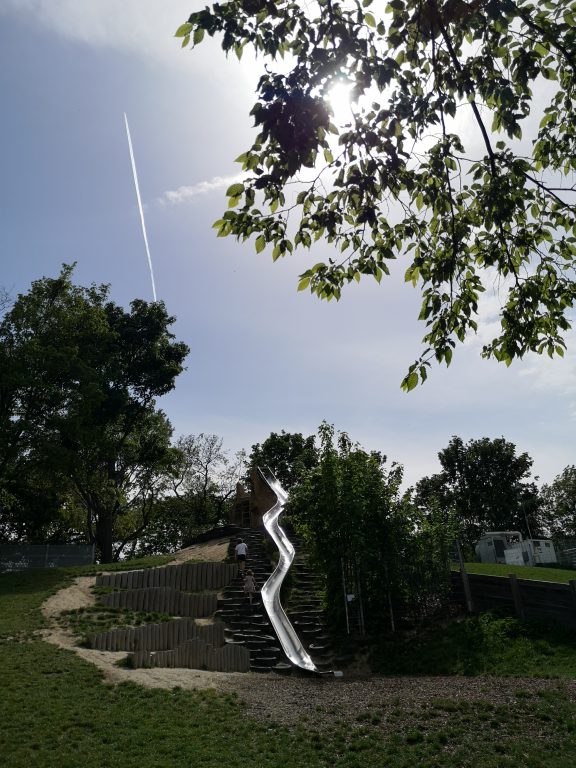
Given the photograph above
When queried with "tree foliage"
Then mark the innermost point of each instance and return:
(559, 503)
(287, 454)
(486, 485)
(466, 209)
(349, 509)
(198, 494)
(78, 380)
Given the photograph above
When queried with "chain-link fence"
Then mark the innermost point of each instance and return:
(21, 557)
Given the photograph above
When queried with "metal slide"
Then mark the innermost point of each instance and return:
(289, 640)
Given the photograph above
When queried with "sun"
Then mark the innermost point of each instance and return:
(339, 98)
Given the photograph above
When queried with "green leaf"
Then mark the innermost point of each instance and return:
(260, 243)
(184, 29)
(370, 20)
(198, 35)
(304, 283)
(235, 190)
(410, 382)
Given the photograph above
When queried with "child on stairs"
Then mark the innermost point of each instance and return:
(249, 584)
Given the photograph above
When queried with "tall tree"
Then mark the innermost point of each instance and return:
(486, 484)
(78, 380)
(466, 209)
(559, 504)
(288, 454)
(197, 497)
(344, 507)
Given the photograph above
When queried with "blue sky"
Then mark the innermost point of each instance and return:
(263, 357)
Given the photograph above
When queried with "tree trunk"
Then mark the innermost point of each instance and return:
(104, 537)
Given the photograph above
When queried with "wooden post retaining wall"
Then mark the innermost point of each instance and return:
(158, 637)
(177, 643)
(162, 600)
(196, 654)
(185, 577)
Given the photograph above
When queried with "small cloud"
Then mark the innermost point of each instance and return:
(183, 194)
(557, 377)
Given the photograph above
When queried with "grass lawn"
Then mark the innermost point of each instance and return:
(522, 571)
(56, 712)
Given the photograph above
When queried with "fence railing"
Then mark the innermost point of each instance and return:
(528, 599)
(20, 557)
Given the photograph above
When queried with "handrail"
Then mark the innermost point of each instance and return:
(287, 636)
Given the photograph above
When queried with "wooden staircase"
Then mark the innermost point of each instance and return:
(248, 625)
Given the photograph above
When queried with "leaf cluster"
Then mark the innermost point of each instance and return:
(402, 178)
(79, 427)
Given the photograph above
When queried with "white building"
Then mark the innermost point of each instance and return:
(509, 548)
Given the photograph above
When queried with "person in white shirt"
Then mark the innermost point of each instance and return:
(241, 553)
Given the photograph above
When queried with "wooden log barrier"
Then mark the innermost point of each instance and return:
(187, 577)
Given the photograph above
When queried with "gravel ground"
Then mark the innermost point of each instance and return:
(323, 701)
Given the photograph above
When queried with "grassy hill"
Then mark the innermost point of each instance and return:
(57, 712)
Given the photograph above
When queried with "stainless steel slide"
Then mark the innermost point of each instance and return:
(287, 636)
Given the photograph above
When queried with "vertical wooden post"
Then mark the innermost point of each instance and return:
(572, 588)
(517, 597)
(465, 580)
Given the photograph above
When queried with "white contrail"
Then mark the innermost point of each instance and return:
(140, 206)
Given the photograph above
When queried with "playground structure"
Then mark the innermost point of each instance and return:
(239, 637)
(289, 640)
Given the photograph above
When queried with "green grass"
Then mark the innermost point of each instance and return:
(522, 571)
(480, 645)
(56, 711)
(23, 592)
(84, 622)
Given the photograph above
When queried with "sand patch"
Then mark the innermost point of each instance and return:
(209, 551)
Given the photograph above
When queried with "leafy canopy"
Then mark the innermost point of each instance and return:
(287, 454)
(350, 512)
(559, 503)
(486, 484)
(399, 179)
(79, 426)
